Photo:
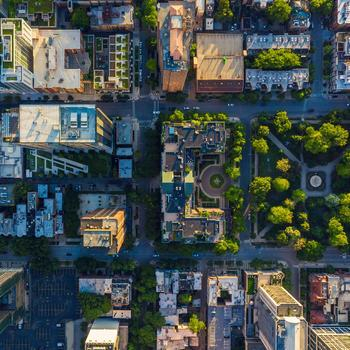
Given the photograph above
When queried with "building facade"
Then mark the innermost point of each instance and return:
(281, 324)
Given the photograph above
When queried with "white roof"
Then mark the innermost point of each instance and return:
(49, 46)
(99, 286)
(39, 123)
(103, 331)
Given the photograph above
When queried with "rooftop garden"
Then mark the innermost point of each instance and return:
(34, 6)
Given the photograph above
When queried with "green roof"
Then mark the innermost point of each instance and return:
(167, 177)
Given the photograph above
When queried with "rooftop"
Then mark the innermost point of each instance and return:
(271, 41)
(57, 123)
(125, 168)
(98, 285)
(334, 338)
(279, 295)
(50, 48)
(176, 338)
(103, 331)
(224, 290)
(124, 131)
(258, 78)
(110, 15)
(220, 65)
(340, 77)
(343, 12)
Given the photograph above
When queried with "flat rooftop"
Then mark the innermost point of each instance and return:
(343, 12)
(50, 63)
(285, 41)
(112, 15)
(279, 295)
(103, 331)
(57, 123)
(220, 64)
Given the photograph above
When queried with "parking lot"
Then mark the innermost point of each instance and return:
(53, 300)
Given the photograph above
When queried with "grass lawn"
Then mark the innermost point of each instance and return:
(251, 285)
(267, 162)
(216, 181)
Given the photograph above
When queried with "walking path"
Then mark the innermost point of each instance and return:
(285, 150)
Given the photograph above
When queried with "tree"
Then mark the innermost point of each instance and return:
(332, 200)
(279, 59)
(292, 233)
(224, 12)
(147, 336)
(234, 195)
(193, 50)
(325, 7)
(315, 142)
(79, 18)
(221, 247)
(343, 167)
(195, 325)
(232, 246)
(311, 251)
(185, 298)
(280, 215)
(283, 165)
(260, 187)
(94, 306)
(263, 131)
(298, 196)
(280, 184)
(149, 13)
(151, 65)
(282, 238)
(279, 11)
(88, 265)
(344, 214)
(177, 116)
(233, 172)
(281, 122)
(299, 244)
(337, 234)
(336, 134)
(154, 319)
(20, 191)
(260, 145)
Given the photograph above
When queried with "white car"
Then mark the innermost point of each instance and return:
(196, 108)
(230, 105)
(186, 108)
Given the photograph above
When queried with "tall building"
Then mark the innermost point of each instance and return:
(11, 296)
(103, 335)
(280, 319)
(67, 126)
(175, 34)
(329, 338)
(16, 56)
(104, 228)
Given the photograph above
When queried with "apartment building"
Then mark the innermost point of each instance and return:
(281, 324)
(16, 56)
(341, 14)
(267, 80)
(176, 338)
(175, 35)
(104, 228)
(340, 71)
(78, 126)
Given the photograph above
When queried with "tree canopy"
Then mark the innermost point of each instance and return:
(283, 165)
(309, 250)
(298, 196)
(323, 6)
(151, 65)
(260, 145)
(260, 187)
(337, 235)
(149, 13)
(280, 215)
(279, 11)
(280, 184)
(343, 167)
(277, 59)
(195, 325)
(94, 306)
(281, 122)
(224, 12)
(79, 18)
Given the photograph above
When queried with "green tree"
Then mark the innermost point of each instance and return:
(281, 122)
(260, 146)
(343, 167)
(232, 246)
(263, 131)
(185, 298)
(20, 191)
(283, 165)
(282, 238)
(149, 13)
(279, 59)
(195, 325)
(234, 195)
(260, 187)
(337, 235)
(177, 116)
(87, 265)
(344, 214)
(224, 12)
(233, 172)
(311, 251)
(79, 18)
(154, 319)
(193, 50)
(280, 215)
(147, 336)
(151, 65)
(332, 200)
(299, 196)
(220, 247)
(292, 233)
(325, 7)
(94, 306)
(280, 184)
(279, 11)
